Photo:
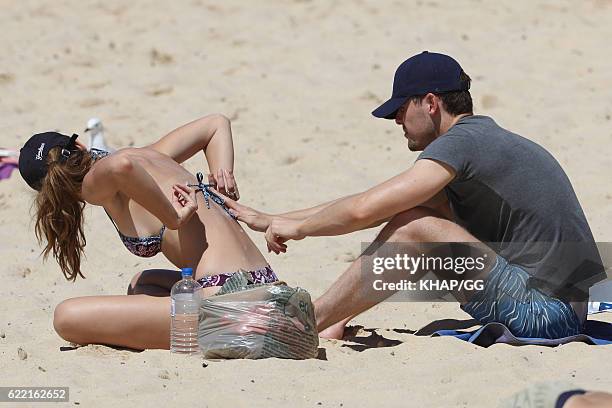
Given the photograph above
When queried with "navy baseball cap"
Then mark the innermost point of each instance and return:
(420, 74)
(33, 155)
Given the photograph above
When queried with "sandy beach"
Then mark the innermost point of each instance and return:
(298, 80)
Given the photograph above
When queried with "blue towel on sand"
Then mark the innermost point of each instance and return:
(595, 333)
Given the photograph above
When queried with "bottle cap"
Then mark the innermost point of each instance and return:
(186, 272)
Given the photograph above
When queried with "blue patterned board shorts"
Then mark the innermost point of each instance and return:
(527, 312)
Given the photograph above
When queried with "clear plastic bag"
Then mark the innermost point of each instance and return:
(255, 321)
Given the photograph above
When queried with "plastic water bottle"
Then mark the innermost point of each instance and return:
(185, 305)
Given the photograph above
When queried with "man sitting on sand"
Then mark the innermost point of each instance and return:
(474, 182)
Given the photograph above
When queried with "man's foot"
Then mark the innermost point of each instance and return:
(335, 331)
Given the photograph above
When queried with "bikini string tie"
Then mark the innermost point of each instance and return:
(208, 194)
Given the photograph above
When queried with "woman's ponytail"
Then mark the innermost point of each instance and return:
(59, 210)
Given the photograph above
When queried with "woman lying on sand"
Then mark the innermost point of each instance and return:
(144, 192)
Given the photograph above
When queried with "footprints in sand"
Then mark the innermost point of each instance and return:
(232, 70)
(6, 78)
(348, 257)
(290, 160)
(165, 374)
(157, 57)
(488, 101)
(24, 272)
(236, 114)
(158, 91)
(91, 102)
(116, 11)
(370, 96)
(97, 85)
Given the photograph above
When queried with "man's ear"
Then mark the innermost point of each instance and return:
(432, 103)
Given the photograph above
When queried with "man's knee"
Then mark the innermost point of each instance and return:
(415, 224)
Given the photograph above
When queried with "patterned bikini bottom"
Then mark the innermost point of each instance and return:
(262, 275)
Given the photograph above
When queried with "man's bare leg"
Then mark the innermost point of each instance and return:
(352, 292)
(336, 330)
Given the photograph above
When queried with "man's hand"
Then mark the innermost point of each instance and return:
(280, 231)
(255, 220)
(225, 183)
(184, 202)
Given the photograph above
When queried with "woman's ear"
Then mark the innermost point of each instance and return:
(80, 145)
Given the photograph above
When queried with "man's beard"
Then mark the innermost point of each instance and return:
(414, 146)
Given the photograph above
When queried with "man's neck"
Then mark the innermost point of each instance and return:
(450, 121)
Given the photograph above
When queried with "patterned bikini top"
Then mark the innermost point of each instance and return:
(144, 247)
(97, 154)
(147, 247)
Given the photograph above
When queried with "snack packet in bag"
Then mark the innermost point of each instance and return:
(246, 320)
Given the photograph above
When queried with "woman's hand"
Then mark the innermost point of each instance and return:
(184, 202)
(225, 183)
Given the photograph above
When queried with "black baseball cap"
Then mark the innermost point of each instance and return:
(420, 74)
(33, 155)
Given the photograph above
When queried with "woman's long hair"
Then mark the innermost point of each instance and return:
(59, 210)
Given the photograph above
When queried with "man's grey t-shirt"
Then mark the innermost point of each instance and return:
(511, 193)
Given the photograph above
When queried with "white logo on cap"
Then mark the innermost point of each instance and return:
(40, 152)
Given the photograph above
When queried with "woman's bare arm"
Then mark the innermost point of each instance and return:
(118, 173)
(211, 134)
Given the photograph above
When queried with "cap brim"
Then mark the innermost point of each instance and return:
(388, 110)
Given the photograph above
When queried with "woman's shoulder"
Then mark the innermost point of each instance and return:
(100, 183)
(135, 153)
(121, 159)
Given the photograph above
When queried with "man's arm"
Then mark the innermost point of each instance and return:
(260, 221)
(307, 212)
(438, 202)
(407, 190)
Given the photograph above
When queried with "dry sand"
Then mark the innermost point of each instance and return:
(299, 80)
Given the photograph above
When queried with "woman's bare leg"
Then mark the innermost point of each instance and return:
(138, 321)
